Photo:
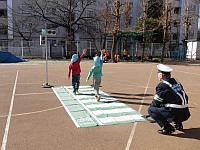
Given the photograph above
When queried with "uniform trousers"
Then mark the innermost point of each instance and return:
(163, 116)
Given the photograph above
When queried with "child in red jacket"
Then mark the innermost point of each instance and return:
(74, 66)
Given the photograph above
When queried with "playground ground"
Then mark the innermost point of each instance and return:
(32, 117)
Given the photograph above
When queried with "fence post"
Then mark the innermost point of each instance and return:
(22, 45)
(77, 47)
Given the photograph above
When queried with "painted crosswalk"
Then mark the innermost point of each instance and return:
(85, 111)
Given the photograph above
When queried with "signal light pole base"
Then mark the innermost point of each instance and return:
(46, 85)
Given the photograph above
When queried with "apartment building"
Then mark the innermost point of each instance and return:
(185, 26)
(3, 20)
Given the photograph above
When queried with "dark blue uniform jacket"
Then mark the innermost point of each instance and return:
(171, 102)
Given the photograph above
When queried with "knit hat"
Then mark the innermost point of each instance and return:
(96, 61)
(74, 58)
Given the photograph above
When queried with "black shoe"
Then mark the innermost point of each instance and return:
(167, 131)
(179, 126)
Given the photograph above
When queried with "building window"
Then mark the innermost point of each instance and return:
(3, 30)
(191, 32)
(25, 9)
(176, 23)
(4, 43)
(177, 10)
(175, 36)
(3, 13)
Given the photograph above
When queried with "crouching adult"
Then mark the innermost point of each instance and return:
(170, 103)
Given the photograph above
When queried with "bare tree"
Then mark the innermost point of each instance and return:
(166, 22)
(69, 14)
(126, 21)
(119, 10)
(144, 27)
(106, 21)
(149, 21)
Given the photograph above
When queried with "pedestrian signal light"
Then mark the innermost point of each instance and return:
(42, 39)
(44, 32)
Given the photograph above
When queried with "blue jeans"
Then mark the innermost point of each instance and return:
(76, 81)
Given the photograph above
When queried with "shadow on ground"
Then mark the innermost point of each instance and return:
(124, 98)
(191, 133)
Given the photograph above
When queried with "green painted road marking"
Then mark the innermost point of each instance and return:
(85, 111)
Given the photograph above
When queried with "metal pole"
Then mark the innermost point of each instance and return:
(46, 60)
(46, 85)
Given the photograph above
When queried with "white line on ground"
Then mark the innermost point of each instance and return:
(17, 83)
(66, 108)
(35, 112)
(189, 72)
(3, 146)
(135, 124)
(35, 93)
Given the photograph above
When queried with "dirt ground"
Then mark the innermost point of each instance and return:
(32, 117)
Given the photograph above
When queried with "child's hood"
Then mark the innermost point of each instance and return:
(74, 58)
(97, 61)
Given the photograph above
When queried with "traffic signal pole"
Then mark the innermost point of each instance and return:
(43, 41)
(46, 85)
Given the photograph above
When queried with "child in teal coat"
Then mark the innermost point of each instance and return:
(96, 71)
